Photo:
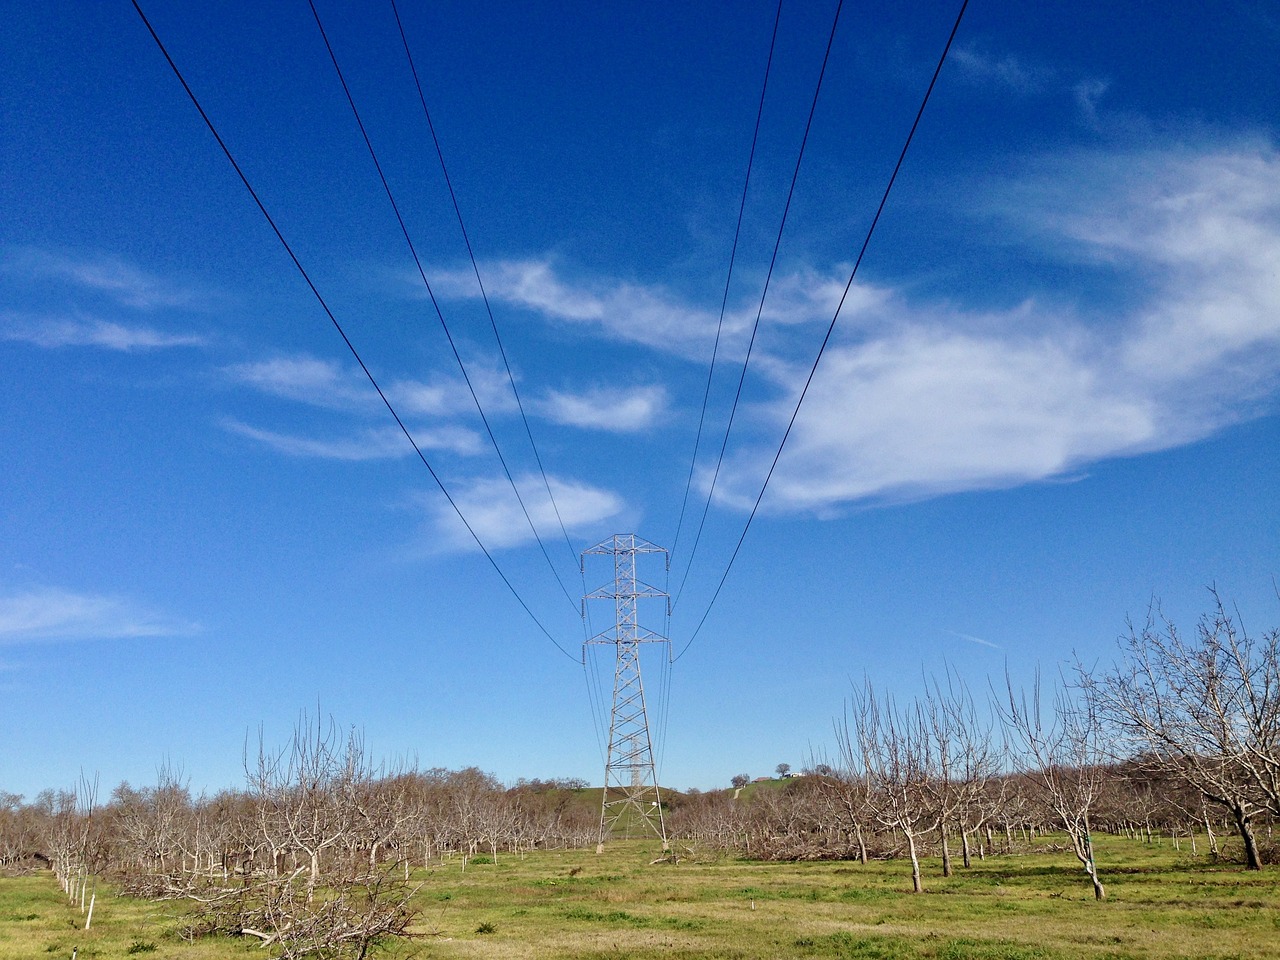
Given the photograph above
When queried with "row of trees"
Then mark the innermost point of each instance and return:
(312, 857)
(1181, 733)
(1182, 730)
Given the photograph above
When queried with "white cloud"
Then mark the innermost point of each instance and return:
(447, 396)
(627, 312)
(377, 444)
(1006, 70)
(55, 614)
(335, 386)
(917, 399)
(494, 513)
(978, 640)
(108, 275)
(321, 383)
(1088, 93)
(55, 332)
(930, 411)
(618, 310)
(945, 400)
(615, 409)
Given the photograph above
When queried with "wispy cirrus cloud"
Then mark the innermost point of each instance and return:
(613, 409)
(1004, 69)
(52, 333)
(978, 640)
(384, 443)
(945, 399)
(616, 309)
(306, 379)
(115, 279)
(51, 614)
(1027, 78)
(494, 513)
(336, 386)
(628, 312)
(88, 300)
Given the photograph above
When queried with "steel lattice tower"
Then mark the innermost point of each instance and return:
(630, 783)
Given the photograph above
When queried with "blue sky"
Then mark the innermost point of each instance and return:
(1050, 397)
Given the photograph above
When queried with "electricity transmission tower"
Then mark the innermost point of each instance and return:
(631, 800)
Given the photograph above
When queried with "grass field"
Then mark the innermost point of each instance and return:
(576, 904)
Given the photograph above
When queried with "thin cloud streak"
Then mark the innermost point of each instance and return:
(615, 410)
(52, 614)
(54, 333)
(977, 640)
(305, 379)
(331, 385)
(109, 276)
(494, 514)
(628, 312)
(377, 444)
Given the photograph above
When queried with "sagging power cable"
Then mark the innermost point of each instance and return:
(208, 122)
(866, 241)
(395, 207)
(764, 293)
(724, 300)
(484, 295)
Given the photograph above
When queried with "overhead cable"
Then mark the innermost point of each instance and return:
(884, 199)
(724, 300)
(436, 305)
(338, 326)
(466, 238)
(764, 293)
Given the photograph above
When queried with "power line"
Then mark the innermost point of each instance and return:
(764, 293)
(884, 199)
(435, 304)
(338, 326)
(724, 301)
(435, 140)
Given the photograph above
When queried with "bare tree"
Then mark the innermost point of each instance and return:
(1065, 757)
(846, 800)
(321, 891)
(894, 750)
(1205, 708)
(964, 758)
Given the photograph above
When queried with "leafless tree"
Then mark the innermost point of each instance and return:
(1205, 708)
(1064, 756)
(320, 892)
(19, 833)
(894, 748)
(964, 759)
(846, 802)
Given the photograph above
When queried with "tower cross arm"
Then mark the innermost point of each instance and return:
(642, 636)
(612, 591)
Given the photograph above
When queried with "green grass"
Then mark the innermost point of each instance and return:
(574, 904)
(37, 921)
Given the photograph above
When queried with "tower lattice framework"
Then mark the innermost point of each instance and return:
(631, 803)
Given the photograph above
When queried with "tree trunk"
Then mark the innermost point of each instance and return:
(964, 849)
(946, 850)
(1083, 845)
(1091, 867)
(1252, 860)
(916, 885)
